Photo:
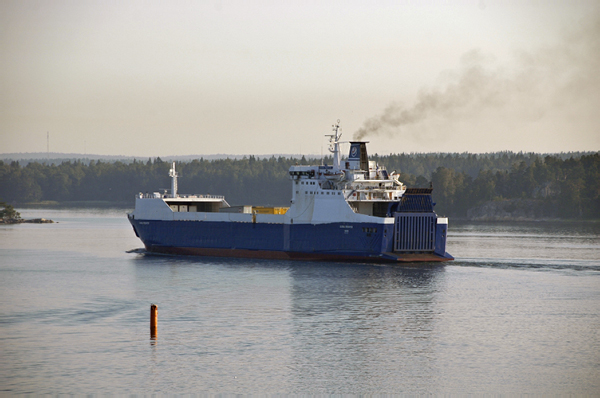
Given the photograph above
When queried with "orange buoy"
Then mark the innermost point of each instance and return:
(153, 320)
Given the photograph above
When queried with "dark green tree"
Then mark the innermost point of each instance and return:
(8, 212)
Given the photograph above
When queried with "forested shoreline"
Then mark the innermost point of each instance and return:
(465, 185)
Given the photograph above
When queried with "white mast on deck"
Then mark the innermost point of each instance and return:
(334, 144)
(173, 174)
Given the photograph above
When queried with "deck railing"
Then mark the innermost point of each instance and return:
(158, 195)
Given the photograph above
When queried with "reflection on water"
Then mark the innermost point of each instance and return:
(516, 313)
(367, 323)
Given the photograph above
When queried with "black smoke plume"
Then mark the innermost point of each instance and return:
(541, 82)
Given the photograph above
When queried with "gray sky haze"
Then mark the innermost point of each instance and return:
(157, 78)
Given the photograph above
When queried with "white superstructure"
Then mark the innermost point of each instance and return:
(353, 190)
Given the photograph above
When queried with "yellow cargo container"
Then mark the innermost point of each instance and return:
(269, 210)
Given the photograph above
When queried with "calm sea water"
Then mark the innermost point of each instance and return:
(518, 312)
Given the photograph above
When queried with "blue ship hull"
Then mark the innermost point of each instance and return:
(332, 241)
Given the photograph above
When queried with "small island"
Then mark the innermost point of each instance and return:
(8, 215)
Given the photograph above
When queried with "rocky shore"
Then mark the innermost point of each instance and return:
(22, 221)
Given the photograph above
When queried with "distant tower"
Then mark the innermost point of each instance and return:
(48, 145)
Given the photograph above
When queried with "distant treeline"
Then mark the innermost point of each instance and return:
(565, 187)
(58, 158)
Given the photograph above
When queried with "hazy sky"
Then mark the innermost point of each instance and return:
(149, 78)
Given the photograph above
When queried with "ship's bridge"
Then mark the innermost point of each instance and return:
(298, 172)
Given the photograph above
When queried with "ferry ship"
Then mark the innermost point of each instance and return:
(352, 210)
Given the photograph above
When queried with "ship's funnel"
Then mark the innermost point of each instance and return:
(358, 158)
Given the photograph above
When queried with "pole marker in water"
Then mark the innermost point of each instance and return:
(153, 321)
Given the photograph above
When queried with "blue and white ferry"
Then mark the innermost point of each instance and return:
(352, 210)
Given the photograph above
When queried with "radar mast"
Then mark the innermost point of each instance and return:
(334, 143)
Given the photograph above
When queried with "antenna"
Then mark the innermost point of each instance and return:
(48, 145)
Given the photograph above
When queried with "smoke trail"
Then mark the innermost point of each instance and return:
(476, 86)
(540, 83)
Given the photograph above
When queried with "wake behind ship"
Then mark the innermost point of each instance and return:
(352, 210)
